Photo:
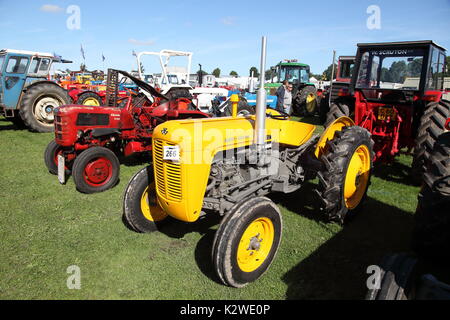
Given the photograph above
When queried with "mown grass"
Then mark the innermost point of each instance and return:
(46, 227)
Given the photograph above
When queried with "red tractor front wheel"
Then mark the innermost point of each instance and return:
(95, 170)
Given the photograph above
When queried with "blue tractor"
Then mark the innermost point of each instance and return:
(27, 97)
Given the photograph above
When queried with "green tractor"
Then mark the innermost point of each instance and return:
(304, 95)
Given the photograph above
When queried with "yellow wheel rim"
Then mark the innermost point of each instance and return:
(311, 102)
(357, 177)
(149, 205)
(91, 102)
(255, 244)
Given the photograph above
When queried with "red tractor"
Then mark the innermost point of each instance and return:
(90, 139)
(397, 94)
(338, 87)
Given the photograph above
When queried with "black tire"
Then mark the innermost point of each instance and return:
(396, 278)
(337, 157)
(133, 213)
(300, 101)
(34, 97)
(324, 108)
(229, 234)
(243, 109)
(431, 127)
(49, 156)
(17, 121)
(84, 159)
(337, 109)
(89, 95)
(431, 234)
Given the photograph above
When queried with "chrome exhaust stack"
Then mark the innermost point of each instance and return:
(261, 102)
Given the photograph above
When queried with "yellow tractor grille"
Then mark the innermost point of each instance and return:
(167, 173)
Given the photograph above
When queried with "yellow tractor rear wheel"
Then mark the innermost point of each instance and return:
(247, 241)
(90, 99)
(141, 210)
(344, 182)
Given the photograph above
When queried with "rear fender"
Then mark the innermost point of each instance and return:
(29, 85)
(330, 132)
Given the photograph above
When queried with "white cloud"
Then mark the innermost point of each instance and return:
(228, 21)
(141, 43)
(51, 8)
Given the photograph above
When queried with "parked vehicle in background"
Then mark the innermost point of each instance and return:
(397, 94)
(173, 80)
(304, 93)
(338, 87)
(89, 140)
(27, 97)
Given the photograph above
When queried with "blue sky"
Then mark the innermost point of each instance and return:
(224, 34)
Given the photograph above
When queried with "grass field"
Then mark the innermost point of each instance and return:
(46, 227)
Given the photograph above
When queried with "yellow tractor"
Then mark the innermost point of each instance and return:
(227, 166)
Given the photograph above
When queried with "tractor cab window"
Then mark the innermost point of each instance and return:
(34, 65)
(436, 71)
(294, 74)
(347, 69)
(45, 65)
(39, 66)
(17, 65)
(173, 79)
(391, 69)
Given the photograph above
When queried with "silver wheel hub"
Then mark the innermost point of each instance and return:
(43, 109)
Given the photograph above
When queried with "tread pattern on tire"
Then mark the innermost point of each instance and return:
(300, 99)
(336, 159)
(26, 107)
(221, 253)
(242, 106)
(337, 109)
(49, 155)
(86, 95)
(431, 235)
(79, 164)
(395, 278)
(431, 127)
(131, 203)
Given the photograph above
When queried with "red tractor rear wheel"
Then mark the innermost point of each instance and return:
(90, 99)
(95, 170)
(432, 125)
(431, 235)
(337, 109)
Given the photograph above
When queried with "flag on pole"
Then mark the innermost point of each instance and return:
(82, 53)
(103, 58)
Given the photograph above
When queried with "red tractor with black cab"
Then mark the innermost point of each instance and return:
(397, 94)
(90, 140)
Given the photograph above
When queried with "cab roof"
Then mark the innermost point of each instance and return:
(35, 53)
(31, 53)
(293, 64)
(402, 44)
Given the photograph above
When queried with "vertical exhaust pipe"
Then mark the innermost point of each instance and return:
(261, 104)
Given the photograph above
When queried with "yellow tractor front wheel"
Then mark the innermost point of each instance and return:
(141, 210)
(247, 241)
(343, 183)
